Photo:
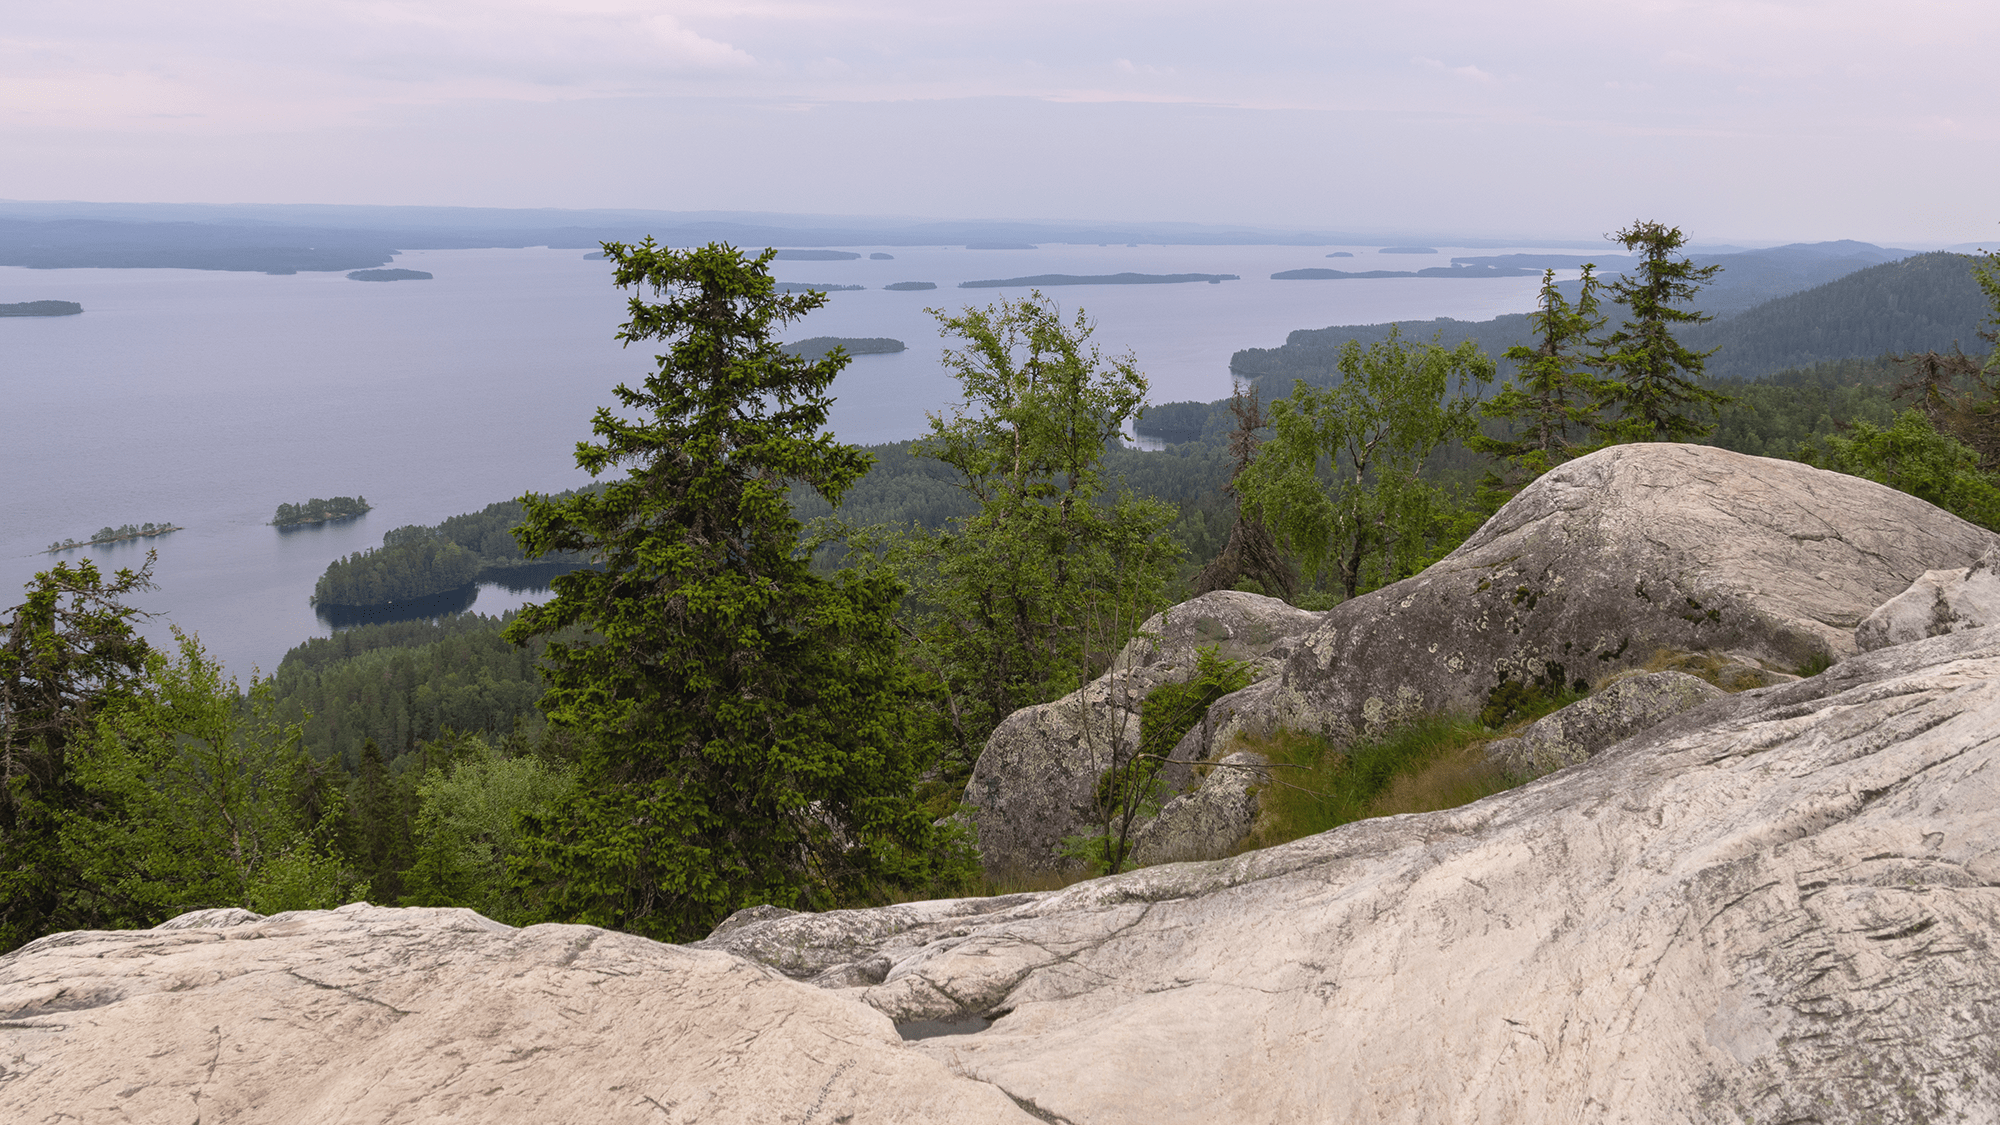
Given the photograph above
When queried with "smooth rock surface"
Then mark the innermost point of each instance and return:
(1938, 602)
(1036, 779)
(1604, 562)
(374, 1015)
(1571, 735)
(1781, 906)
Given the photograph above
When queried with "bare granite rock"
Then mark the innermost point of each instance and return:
(369, 1014)
(1938, 602)
(1604, 562)
(1035, 781)
(1575, 733)
(1779, 906)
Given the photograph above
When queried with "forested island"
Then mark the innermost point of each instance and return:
(41, 308)
(114, 534)
(389, 275)
(317, 510)
(910, 286)
(1047, 280)
(816, 287)
(816, 346)
(878, 256)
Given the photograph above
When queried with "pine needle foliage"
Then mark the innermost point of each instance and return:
(1657, 382)
(746, 727)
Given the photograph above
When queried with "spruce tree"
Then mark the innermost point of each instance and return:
(1656, 382)
(745, 726)
(1551, 403)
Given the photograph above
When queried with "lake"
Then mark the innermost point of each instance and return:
(206, 399)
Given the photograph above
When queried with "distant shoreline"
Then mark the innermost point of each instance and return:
(42, 308)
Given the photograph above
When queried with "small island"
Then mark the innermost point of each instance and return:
(113, 535)
(1350, 254)
(1407, 250)
(817, 346)
(817, 255)
(814, 287)
(1052, 279)
(878, 257)
(911, 286)
(388, 275)
(317, 510)
(41, 308)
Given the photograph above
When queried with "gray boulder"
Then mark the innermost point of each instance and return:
(1210, 822)
(1580, 730)
(1035, 781)
(1601, 564)
(1938, 602)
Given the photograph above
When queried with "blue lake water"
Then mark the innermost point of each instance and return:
(206, 399)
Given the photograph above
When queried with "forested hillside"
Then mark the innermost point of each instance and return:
(1922, 303)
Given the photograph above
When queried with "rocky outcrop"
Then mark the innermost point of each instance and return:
(1210, 822)
(1600, 564)
(1778, 906)
(367, 1014)
(1614, 714)
(1938, 602)
(1036, 780)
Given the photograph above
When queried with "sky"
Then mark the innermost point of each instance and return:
(1754, 122)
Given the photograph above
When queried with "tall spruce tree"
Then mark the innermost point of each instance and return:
(1551, 403)
(1657, 383)
(745, 726)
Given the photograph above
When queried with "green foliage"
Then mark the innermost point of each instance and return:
(1050, 572)
(403, 683)
(1911, 456)
(1656, 381)
(1551, 404)
(1130, 790)
(467, 828)
(70, 652)
(411, 563)
(317, 510)
(1341, 480)
(748, 731)
(109, 534)
(1318, 784)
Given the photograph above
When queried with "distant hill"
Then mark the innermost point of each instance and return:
(1913, 304)
(1920, 303)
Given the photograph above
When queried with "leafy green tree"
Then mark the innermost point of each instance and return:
(1657, 382)
(1033, 590)
(70, 651)
(198, 801)
(746, 727)
(1551, 404)
(1912, 456)
(1341, 480)
(467, 828)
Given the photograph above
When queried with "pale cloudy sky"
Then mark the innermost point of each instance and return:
(1790, 119)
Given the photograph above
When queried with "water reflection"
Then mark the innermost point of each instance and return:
(456, 600)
